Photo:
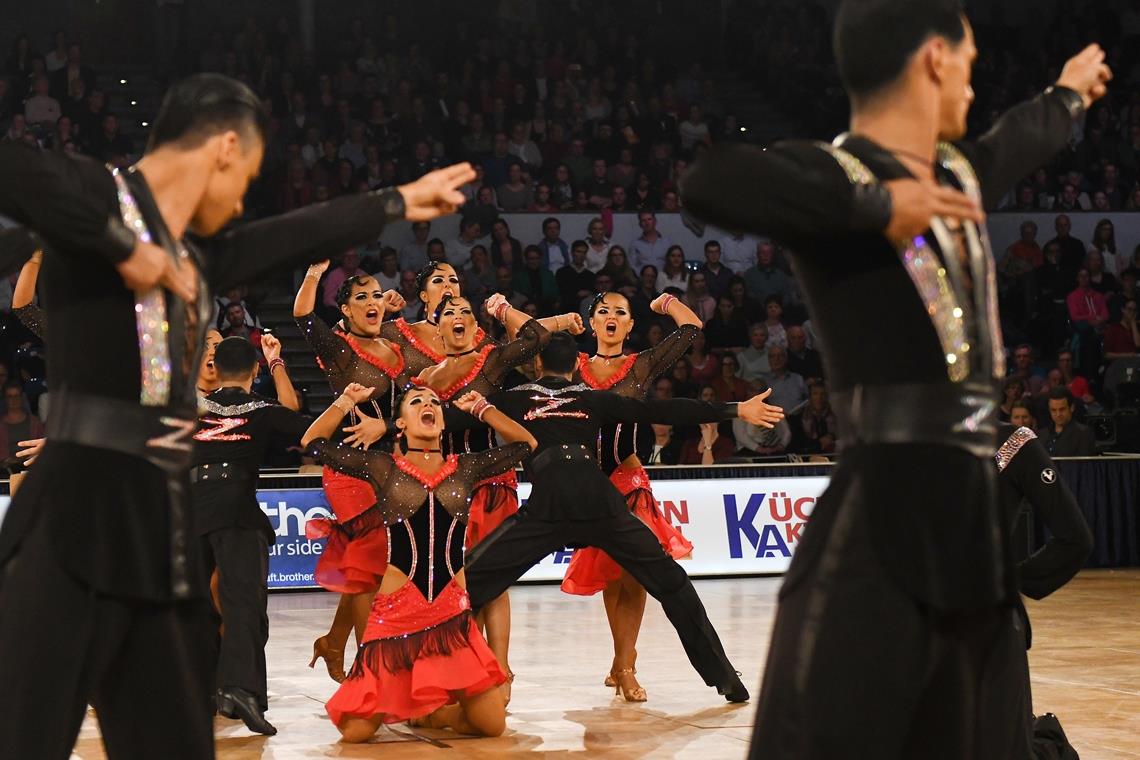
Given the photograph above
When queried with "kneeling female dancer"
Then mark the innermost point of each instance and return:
(591, 570)
(422, 657)
(355, 555)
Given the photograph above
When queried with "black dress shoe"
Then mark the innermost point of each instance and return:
(234, 702)
(734, 691)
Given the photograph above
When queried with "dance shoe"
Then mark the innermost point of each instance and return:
(734, 690)
(234, 702)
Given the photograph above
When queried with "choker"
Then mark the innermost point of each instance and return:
(463, 353)
(609, 356)
(362, 337)
(426, 452)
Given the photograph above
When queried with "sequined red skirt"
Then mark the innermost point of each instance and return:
(591, 569)
(492, 501)
(356, 553)
(417, 656)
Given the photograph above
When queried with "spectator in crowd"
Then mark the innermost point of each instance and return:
(1012, 391)
(411, 293)
(74, 69)
(753, 440)
(542, 203)
(698, 298)
(413, 256)
(675, 273)
(774, 321)
(575, 281)
(597, 244)
(516, 194)
(555, 252)
(506, 250)
(388, 275)
(622, 174)
(349, 267)
(803, 361)
(754, 366)
(237, 326)
(663, 389)
(480, 275)
(603, 283)
(1025, 249)
(458, 249)
(820, 426)
(714, 445)
(436, 251)
(644, 295)
(109, 143)
(788, 388)
(598, 188)
(650, 247)
(1088, 311)
(717, 275)
(524, 149)
(683, 384)
(562, 189)
(666, 448)
(41, 110)
(19, 425)
(643, 195)
(745, 305)
(765, 279)
(581, 166)
(505, 279)
(1104, 243)
(728, 386)
(1072, 251)
(618, 268)
(535, 280)
(727, 330)
(739, 252)
(1021, 415)
(1066, 437)
(1068, 368)
(496, 164)
(1100, 280)
(1023, 369)
(484, 209)
(1122, 337)
(704, 366)
(297, 190)
(694, 129)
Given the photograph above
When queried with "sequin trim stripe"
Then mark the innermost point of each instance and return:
(576, 388)
(447, 547)
(415, 552)
(1008, 450)
(388, 537)
(431, 545)
(150, 314)
(617, 437)
(929, 278)
(450, 464)
(856, 171)
(953, 160)
(233, 410)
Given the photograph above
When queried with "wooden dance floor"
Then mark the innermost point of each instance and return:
(1085, 662)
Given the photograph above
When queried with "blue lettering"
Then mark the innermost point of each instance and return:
(563, 557)
(771, 544)
(739, 523)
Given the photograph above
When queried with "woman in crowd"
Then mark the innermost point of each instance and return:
(618, 268)
(774, 321)
(710, 447)
(821, 427)
(1104, 242)
(506, 250)
(562, 191)
(480, 274)
(727, 329)
(698, 298)
(703, 366)
(675, 274)
(470, 368)
(354, 558)
(422, 658)
(729, 386)
(597, 245)
(1012, 391)
(632, 375)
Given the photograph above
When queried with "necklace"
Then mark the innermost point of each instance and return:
(608, 357)
(355, 334)
(426, 452)
(464, 353)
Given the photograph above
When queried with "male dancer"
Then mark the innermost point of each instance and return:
(899, 589)
(234, 433)
(101, 527)
(1031, 487)
(572, 503)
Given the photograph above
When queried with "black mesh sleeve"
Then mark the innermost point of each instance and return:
(373, 466)
(531, 339)
(654, 362)
(485, 464)
(330, 348)
(31, 317)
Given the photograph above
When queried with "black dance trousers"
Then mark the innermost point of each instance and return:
(241, 556)
(63, 646)
(858, 669)
(522, 540)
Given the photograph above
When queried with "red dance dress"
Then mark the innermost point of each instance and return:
(497, 498)
(356, 552)
(591, 569)
(421, 648)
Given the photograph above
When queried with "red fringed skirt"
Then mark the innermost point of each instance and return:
(591, 569)
(492, 501)
(417, 657)
(356, 553)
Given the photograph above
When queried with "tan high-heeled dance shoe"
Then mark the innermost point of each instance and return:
(636, 694)
(610, 682)
(334, 659)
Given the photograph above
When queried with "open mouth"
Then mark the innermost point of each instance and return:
(372, 316)
(427, 417)
(458, 331)
(611, 328)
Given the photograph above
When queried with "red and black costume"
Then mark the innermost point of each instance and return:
(418, 354)
(591, 569)
(496, 498)
(355, 555)
(421, 646)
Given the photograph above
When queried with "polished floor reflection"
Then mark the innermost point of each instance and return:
(1085, 660)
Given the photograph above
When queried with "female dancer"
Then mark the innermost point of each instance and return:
(469, 368)
(422, 652)
(354, 558)
(591, 570)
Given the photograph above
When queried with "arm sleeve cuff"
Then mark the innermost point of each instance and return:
(117, 241)
(870, 207)
(1070, 99)
(393, 202)
(730, 412)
